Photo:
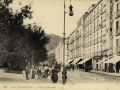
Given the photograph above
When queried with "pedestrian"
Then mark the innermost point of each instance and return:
(89, 68)
(46, 70)
(73, 67)
(54, 76)
(27, 72)
(43, 72)
(33, 72)
(39, 71)
(64, 75)
(117, 68)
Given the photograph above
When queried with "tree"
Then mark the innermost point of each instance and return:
(21, 41)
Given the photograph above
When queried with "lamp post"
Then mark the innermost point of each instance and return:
(71, 14)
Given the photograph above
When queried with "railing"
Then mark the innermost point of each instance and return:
(117, 14)
(102, 10)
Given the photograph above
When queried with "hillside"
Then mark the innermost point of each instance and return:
(54, 40)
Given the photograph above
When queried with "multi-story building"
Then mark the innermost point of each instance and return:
(98, 33)
(97, 36)
(78, 42)
(59, 52)
(72, 46)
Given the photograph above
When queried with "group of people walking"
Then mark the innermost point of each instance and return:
(43, 71)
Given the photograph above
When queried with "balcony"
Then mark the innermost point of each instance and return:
(117, 14)
(102, 10)
(117, 32)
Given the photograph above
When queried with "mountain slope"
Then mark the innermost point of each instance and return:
(54, 40)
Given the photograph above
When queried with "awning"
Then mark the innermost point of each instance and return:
(70, 61)
(76, 60)
(114, 60)
(83, 61)
(102, 61)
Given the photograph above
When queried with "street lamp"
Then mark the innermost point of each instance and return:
(71, 14)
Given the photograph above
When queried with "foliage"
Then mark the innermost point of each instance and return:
(21, 41)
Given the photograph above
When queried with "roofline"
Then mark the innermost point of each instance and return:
(93, 8)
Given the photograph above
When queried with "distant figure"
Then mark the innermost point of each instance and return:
(73, 67)
(39, 71)
(117, 68)
(27, 70)
(46, 70)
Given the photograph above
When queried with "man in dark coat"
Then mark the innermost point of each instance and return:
(54, 76)
(117, 67)
(64, 75)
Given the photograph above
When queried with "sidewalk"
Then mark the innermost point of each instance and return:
(104, 73)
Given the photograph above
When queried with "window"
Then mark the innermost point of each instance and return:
(118, 45)
(101, 47)
(117, 26)
(101, 19)
(118, 7)
(101, 5)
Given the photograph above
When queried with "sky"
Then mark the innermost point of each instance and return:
(49, 14)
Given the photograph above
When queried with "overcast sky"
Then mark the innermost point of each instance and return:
(50, 14)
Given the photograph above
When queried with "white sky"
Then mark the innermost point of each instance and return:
(50, 14)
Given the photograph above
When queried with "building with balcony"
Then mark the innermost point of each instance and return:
(98, 33)
(78, 42)
(59, 52)
(116, 27)
(72, 43)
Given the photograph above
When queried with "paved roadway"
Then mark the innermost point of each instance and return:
(78, 80)
(94, 81)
